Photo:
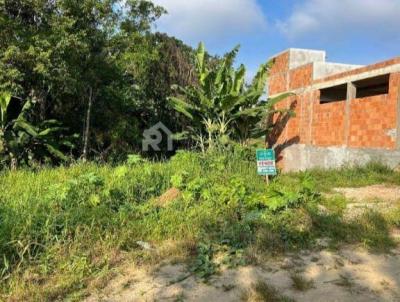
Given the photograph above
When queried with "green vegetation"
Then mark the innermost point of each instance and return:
(94, 66)
(62, 228)
(95, 71)
(221, 107)
(359, 176)
(21, 142)
(79, 83)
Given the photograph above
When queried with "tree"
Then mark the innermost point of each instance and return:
(169, 62)
(222, 106)
(64, 56)
(22, 142)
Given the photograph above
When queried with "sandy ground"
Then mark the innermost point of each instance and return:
(347, 275)
(380, 198)
(371, 193)
(350, 274)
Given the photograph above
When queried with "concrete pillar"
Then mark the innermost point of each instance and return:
(351, 94)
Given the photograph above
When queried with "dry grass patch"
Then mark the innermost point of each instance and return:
(300, 283)
(263, 292)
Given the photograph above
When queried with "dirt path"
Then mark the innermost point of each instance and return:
(348, 275)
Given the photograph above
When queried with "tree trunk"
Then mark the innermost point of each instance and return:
(13, 163)
(86, 134)
(43, 107)
(40, 98)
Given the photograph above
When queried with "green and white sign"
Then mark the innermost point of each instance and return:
(266, 162)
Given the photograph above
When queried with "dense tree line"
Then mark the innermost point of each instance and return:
(84, 79)
(93, 65)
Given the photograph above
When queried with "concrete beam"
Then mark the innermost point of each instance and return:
(350, 78)
(324, 69)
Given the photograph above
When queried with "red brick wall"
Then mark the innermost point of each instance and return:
(306, 117)
(293, 123)
(278, 81)
(281, 63)
(370, 120)
(279, 136)
(328, 125)
(286, 130)
(373, 118)
(301, 77)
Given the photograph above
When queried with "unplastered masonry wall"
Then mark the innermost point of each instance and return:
(279, 74)
(373, 120)
(328, 127)
(369, 123)
(301, 76)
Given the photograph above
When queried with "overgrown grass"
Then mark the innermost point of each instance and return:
(358, 176)
(63, 230)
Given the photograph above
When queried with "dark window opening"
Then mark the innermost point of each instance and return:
(372, 86)
(333, 94)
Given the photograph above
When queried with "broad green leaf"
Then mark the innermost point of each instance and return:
(251, 111)
(23, 124)
(181, 106)
(55, 152)
(5, 98)
(180, 136)
(49, 131)
(239, 79)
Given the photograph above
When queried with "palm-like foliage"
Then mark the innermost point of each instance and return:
(222, 105)
(5, 99)
(21, 141)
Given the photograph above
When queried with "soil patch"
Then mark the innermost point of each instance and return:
(350, 274)
(371, 193)
(169, 196)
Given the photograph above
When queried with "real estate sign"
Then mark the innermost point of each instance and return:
(266, 162)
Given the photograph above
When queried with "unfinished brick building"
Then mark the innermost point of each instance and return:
(345, 114)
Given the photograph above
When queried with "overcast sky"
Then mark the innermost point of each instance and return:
(351, 31)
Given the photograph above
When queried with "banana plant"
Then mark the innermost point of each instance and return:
(22, 142)
(222, 94)
(5, 99)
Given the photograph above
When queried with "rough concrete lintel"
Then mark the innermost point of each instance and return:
(301, 57)
(324, 69)
(346, 79)
(360, 76)
(291, 50)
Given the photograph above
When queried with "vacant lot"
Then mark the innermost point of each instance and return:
(198, 227)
